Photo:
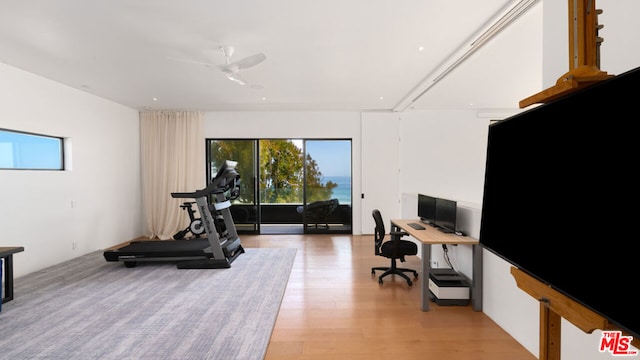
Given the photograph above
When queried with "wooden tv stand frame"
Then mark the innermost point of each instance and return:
(584, 54)
(553, 307)
(584, 63)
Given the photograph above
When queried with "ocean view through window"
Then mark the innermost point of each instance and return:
(343, 191)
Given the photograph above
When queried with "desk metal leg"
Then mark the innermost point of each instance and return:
(8, 279)
(426, 268)
(476, 285)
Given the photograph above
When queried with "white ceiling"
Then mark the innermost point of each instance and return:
(321, 55)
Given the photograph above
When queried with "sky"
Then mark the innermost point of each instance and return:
(333, 156)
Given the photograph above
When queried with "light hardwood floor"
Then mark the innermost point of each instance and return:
(333, 308)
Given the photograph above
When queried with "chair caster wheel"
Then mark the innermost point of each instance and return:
(380, 281)
(410, 283)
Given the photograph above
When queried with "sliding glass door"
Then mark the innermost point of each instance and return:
(244, 209)
(281, 185)
(327, 190)
(288, 185)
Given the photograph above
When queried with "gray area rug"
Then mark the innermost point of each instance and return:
(88, 308)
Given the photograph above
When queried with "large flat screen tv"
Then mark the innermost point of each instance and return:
(559, 199)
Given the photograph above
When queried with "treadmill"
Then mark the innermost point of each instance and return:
(222, 244)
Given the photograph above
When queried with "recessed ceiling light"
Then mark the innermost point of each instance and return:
(420, 48)
(381, 97)
(155, 99)
(264, 98)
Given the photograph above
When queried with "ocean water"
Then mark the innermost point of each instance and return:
(343, 191)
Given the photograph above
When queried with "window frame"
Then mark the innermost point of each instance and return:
(32, 151)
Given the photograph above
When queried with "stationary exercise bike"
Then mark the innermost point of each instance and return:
(195, 225)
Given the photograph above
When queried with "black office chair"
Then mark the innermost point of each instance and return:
(394, 249)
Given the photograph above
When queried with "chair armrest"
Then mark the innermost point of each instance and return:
(399, 234)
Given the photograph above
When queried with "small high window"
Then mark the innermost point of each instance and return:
(26, 151)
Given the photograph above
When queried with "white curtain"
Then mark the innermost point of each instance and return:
(173, 160)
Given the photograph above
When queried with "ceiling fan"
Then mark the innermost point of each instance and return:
(232, 69)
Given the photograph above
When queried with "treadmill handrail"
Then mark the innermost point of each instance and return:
(219, 184)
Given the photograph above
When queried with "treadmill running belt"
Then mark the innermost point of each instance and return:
(161, 248)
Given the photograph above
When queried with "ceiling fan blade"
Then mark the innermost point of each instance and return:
(250, 61)
(229, 68)
(188, 61)
(235, 77)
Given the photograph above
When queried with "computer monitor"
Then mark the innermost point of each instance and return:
(446, 212)
(427, 209)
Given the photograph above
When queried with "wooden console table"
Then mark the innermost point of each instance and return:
(6, 253)
(432, 236)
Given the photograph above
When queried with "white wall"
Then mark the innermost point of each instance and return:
(104, 184)
(380, 168)
(443, 154)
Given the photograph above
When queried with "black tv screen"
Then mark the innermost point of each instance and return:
(558, 197)
(446, 212)
(427, 209)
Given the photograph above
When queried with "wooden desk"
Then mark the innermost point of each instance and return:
(432, 236)
(6, 253)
